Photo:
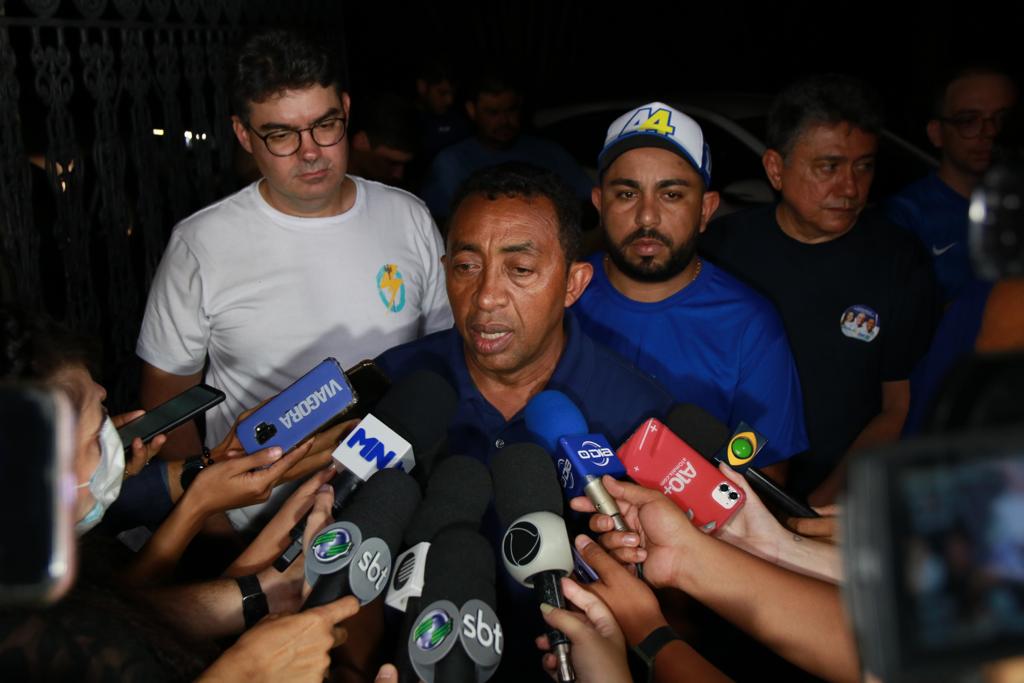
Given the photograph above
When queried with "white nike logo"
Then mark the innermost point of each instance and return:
(939, 252)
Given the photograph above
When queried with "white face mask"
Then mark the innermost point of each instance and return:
(105, 483)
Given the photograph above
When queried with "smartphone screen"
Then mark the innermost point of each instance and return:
(36, 448)
(171, 414)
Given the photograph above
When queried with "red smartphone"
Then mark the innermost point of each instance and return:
(658, 459)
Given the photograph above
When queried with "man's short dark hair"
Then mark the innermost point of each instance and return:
(940, 87)
(826, 99)
(271, 62)
(387, 119)
(516, 179)
(493, 80)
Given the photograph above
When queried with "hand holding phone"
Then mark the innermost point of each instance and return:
(169, 415)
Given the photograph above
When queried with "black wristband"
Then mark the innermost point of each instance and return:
(254, 601)
(648, 648)
(189, 469)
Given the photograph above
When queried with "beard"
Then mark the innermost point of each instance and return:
(647, 269)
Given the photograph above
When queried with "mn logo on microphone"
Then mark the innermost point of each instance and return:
(521, 544)
(332, 545)
(433, 629)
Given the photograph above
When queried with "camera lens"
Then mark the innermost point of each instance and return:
(264, 432)
(723, 487)
(734, 496)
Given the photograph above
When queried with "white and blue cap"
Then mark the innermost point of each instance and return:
(657, 125)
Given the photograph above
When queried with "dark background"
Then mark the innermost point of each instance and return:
(582, 51)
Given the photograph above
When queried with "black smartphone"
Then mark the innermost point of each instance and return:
(369, 383)
(171, 414)
(37, 494)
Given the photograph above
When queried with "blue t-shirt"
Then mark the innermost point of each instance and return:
(455, 163)
(934, 212)
(613, 397)
(716, 343)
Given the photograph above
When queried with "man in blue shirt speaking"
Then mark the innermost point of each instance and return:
(702, 333)
(511, 269)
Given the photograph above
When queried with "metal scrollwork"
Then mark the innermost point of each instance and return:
(65, 171)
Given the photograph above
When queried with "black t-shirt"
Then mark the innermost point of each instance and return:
(859, 310)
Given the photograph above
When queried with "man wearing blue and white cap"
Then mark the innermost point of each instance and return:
(708, 338)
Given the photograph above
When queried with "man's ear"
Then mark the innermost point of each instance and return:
(241, 134)
(471, 110)
(346, 107)
(580, 273)
(421, 87)
(595, 198)
(934, 131)
(709, 204)
(361, 141)
(773, 163)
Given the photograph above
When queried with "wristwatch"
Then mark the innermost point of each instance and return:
(254, 600)
(648, 648)
(193, 466)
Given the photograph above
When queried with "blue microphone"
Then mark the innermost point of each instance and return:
(581, 458)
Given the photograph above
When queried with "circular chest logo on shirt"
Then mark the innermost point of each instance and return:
(391, 287)
(860, 322)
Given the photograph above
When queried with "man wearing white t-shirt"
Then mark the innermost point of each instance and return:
(303, 264)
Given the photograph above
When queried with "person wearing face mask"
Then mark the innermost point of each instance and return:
(104, 628)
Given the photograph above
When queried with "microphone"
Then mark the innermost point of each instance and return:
(535, 548)
(457, 495)
(457, 637)
(353, 556)
(409, 424)
(582, 458)
(659, 459)
(706, 435)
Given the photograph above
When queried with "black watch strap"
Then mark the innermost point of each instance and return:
(648, 648)
(189, 469)
(254, 601)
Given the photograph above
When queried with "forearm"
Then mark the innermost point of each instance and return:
(883, 428)
(678, 661)
(805, 556)
(160, 555)
(212, 609)
(801, 618)
(157, 387)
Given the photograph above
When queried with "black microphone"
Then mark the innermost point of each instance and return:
(535, 547)
(456, 497)
(706, 435)
(407, 428)
(456, 637)
(353, 556)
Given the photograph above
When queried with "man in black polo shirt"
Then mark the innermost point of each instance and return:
(829, 268)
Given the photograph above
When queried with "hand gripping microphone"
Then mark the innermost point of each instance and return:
(353, 556)
(456, 637)
(457, 495)
(581, 458)
(408, 427)
(535, 547)
(706, 435)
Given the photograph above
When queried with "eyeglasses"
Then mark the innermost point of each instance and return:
(286, 142)
(971, 125)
